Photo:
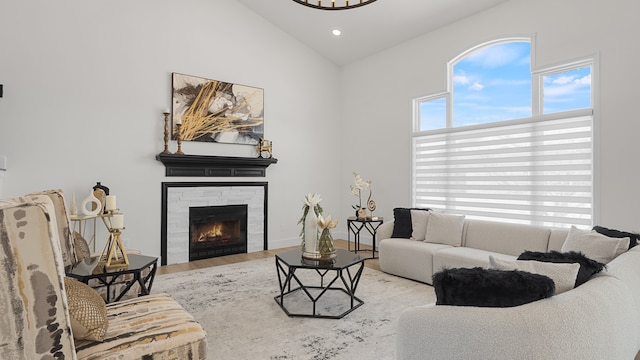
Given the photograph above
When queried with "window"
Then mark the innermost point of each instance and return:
(567, 90)
(492, 84)
(494, 162)
(432, 113)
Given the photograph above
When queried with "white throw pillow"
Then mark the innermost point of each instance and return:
(593, 245)
(419, 220)
(444, 229)
(563, 275)
(623, 246)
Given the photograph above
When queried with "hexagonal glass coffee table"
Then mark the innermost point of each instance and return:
(313, 295)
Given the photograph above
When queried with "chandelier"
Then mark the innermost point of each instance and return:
(334, 4)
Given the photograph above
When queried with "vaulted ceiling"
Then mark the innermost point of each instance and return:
(367, 29)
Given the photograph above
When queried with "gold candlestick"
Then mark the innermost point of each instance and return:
(114, 256)
(179, 139)
(166, 133)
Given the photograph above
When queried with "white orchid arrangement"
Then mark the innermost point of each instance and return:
(357, 188)
(327, 223)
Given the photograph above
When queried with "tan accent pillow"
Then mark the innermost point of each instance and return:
(87, 310)
(444, 229)
(81, 247)
(563, 275)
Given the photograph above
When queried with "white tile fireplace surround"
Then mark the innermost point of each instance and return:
(178, 197)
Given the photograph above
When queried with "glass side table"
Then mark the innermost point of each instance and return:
(356, 225)
(137, 265)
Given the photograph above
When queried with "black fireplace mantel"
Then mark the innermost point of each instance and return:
(214, 166)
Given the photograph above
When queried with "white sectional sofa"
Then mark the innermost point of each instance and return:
(599, 319)
(419, 260)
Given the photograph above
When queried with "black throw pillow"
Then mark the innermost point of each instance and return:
(489, 287)
(588, 267)
(618, 234)
(402, 226)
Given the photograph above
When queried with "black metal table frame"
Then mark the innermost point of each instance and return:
(145, 282)
(289, 273)
(355, 225)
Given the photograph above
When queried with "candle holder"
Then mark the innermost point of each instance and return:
(179, 138)
(264, 149)
(113, 257)
(166, 134)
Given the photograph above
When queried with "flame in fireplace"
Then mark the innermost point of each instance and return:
(214, 232)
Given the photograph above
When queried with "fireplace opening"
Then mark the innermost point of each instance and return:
(217, 231)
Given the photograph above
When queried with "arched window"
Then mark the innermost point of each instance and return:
(505, 141)
(492, 83)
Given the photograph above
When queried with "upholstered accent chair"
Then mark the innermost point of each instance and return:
(37, 324)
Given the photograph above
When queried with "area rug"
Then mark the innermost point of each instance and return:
(235, 305)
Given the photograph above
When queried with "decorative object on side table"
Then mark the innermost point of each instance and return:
(114, 255)
(356, 189)
(101, 192)
(95, 205)
(371, 205)
(73, 207)
(309, 220)
(325, 244)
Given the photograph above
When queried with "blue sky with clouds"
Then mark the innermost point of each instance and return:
(568, 90)
(494, 84)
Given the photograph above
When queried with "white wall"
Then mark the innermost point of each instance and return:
(380, 89)
(85, 84)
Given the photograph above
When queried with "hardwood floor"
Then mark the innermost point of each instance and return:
(231, 259)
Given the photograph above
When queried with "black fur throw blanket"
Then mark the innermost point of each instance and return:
(490, 288)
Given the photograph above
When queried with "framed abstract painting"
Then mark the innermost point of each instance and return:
(217, 111)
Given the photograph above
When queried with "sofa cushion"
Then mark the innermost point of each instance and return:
(87, 310)
(506, 238)
(403, 223)
(634, 237)
(588, 267)
(444, 229)
(147, 327)
(594, 245)
(563, 275)
(456, 257)
(490, 288)
(556, 240)
(408, 258)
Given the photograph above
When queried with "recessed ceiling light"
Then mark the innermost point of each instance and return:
(336, 32)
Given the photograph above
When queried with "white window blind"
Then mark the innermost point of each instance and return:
(527, 171)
